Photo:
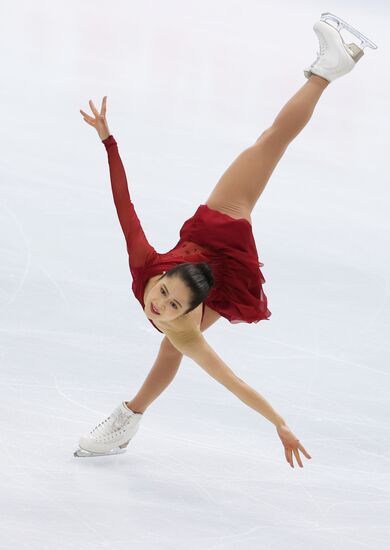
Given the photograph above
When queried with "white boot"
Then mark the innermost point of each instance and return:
(112, 435)
(335, 58)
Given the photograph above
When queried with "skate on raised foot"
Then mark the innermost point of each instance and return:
(112, 435)
(335, 57)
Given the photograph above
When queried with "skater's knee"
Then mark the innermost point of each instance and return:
(273, 142)
(167, 348)
(266, 134)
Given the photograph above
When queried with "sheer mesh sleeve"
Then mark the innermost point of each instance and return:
(138, 247)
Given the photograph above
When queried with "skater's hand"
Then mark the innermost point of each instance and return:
(99, 122)
(291, 445)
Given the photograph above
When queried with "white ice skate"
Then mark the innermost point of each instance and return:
(335, 57)
(112, 435)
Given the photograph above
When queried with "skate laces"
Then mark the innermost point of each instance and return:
(323, 45)
(121, 421)
(113, 423)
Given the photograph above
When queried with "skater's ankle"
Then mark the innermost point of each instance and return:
(134, 409)
(319, 80)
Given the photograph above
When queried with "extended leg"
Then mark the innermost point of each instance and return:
(239, 188)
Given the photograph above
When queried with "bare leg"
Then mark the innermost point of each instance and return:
(161, 375)
(239, 188)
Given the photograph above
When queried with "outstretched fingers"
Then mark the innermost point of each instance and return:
(298, 458)
(288, 455)
(303, 450)
(95, 111)
(288, 451)
(93, 108)
(103, 108)
(87, 117)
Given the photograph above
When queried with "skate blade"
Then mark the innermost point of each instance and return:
(343, 24)
(82, 453)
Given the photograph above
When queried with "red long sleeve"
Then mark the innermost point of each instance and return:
(138, 247)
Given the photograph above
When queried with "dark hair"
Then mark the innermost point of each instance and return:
(198, 277)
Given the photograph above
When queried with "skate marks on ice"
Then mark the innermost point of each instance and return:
(17, 224)
(16, 267)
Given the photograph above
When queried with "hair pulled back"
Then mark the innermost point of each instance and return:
(198, 277)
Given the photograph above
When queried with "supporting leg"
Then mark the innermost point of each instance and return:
(160, 376)
(241, 185)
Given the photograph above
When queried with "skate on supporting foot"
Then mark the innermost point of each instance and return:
(335, 57)
(112, 435)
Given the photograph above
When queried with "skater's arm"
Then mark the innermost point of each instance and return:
(138, 247)
(200, 351)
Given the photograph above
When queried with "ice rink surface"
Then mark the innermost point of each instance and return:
(189, 86)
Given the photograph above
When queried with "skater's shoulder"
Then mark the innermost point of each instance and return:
(182, 330)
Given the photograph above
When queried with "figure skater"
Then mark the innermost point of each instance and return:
(214, 270)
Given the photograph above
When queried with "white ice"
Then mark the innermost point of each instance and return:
(190, 85)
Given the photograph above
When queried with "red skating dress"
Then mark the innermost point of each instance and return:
(225, 243)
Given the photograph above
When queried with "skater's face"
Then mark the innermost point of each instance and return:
(171, 298)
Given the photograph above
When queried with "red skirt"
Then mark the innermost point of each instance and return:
(228, 246)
